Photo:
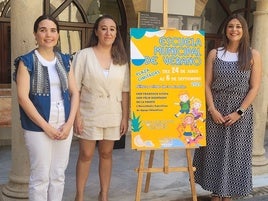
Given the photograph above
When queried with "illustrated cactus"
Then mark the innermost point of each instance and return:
(135, 123)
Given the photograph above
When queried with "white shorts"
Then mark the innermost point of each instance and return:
(97, 133)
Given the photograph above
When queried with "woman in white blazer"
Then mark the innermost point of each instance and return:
(102, 76)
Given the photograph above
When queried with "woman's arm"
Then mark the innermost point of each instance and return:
(125, 113)
(74, 93)
(209, 78)
(255, 79)
(216, 115)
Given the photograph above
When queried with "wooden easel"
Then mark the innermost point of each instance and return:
(165, 169)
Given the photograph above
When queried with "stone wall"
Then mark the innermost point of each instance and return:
(5, 114)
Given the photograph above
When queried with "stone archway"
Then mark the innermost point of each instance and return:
(76, 18)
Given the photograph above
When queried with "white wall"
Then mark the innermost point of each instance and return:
(179, 7)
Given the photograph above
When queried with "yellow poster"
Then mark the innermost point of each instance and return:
(167, 89)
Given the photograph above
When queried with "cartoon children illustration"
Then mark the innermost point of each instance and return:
(189, 130)
(196, 105)
(184, 104)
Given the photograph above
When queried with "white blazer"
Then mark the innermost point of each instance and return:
(100, 96)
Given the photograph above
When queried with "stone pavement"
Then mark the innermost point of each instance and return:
(163, 187)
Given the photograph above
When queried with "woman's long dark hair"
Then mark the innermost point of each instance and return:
(118, 51)
(244, 50)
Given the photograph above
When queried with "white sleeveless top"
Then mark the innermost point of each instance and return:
(227, 56)
(55, 88)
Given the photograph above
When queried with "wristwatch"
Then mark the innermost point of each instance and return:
(240, 111)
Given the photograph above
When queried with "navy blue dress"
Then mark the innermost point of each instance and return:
(224, 165)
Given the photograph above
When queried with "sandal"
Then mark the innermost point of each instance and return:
(215, 197)
(227, 198)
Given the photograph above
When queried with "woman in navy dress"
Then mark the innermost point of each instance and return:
(233, 75)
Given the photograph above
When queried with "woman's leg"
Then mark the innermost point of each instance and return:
(105, 148)
(60, 153)
(59, 162)
(39, 146)
(86, 152)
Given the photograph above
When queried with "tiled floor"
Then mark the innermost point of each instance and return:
(164, 187)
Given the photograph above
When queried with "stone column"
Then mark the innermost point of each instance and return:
(23, 15)
(260, 42)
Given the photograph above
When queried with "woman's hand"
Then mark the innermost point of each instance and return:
(52, 132)
(231, 118)
(123, 126)
(64, 131)
(217, 116)
(78, 125)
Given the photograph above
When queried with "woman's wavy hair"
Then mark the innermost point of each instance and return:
(244, 50)
(118, 51)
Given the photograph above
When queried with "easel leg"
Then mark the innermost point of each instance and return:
(166, 162)
(140, 176)
(148, 177)
(191, 174)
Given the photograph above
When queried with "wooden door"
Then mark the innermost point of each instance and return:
(5, 53)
